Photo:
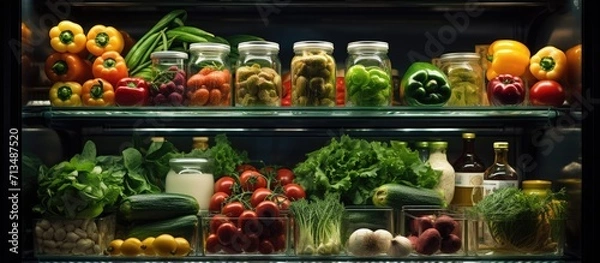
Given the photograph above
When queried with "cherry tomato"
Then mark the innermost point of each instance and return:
(248, 223)
(268, 170)
(259, 195)
(252, 180)
(252, 243)
(239, 242)
(267, 209)
(226, 232)
(547, 93)
(225, 184)
(284, 176)
(276, 227)
(279, 242)
(294, 191)
(212, 244)
(217, 200)
(233, 209)
(265, 247)
(282, 202)
(216, 221)
(245, 167)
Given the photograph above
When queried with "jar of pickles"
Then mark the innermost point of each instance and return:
(209, 75)
(368, 74)
(466, 77)
(169, 81)
(258, 74)
(313, 74)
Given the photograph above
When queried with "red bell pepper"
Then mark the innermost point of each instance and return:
(132, 91)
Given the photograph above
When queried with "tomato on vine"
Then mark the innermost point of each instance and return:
(267, 209)
(245, 167)
(284, 176)
(248, 223)
(233, 209)
(251, 180)
(217, 200)
(225, 184)
(259, 195)
(294, 191)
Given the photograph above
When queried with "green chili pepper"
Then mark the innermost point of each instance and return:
(424, 84)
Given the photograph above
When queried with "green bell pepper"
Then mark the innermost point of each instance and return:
(424, 84)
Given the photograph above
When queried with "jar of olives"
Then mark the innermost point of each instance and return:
(313, 74)
(368, 74)
(209, 75)
(258, 74)
(466, 77)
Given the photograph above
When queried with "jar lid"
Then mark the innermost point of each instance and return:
(368, 45)
(189, 163)
(200, 139)
(501, 145)
(258, 45)
(158, 139)
(169, 54)
(207, 46)
(313, 44)
(536, 184)
(422, 144)
(438, 145)
(468, 135)
(460, 55)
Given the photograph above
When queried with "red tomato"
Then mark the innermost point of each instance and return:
(284, 176)
(226, 232)
(216, 221)
(233, 209)
(248, 223)
(217, 200)
(276, 226)
(244, 167)
(294, 191)
(225, 184)
(252, 243)
(212, 244)
(267, 209)
(240, 242)
(278, 242)
(268, 170)
(259, 195)
(265, 247)
(252, 180)
(340, 86)
(282, 201)
(547, 93)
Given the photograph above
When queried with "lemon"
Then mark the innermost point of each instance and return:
(147, 246)
(114, 247)
(183, 247)
(131, 247)
(164, 245)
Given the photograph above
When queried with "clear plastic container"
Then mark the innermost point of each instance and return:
(368, 74)
(258, 74)
(169, 78)
(466, 77)
(209, 75)
(313, 74)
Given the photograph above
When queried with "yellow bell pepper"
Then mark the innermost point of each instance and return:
(65, 94)
(102, 38)
(507, 56)
(548, 63)
(67, 36)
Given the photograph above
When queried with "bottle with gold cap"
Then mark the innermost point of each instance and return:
(500, 174)
(200, 143)
(423, 148)
(469, 173)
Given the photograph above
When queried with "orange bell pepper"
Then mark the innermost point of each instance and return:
(548, 63)
(68, 37)
(97, 92)
(102, 38)
(111, 67)
(66, 67)
(574, 64)
(507, 57)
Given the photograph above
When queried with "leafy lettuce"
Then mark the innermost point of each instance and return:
(355, 167)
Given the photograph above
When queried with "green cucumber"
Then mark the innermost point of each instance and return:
(157, 206)
(183, 226)
(398, 195)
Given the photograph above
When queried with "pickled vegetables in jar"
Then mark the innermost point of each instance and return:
(368, 75)
(258, 75)
(466, 78)
(313, 74)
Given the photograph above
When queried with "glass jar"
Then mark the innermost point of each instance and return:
(313, 74)
(466, 77)
(423, 148)
(191, 176)
(169, 78)
(209, 75)
(540, 188)
(438, 160)
(258, 74)
(368, 74)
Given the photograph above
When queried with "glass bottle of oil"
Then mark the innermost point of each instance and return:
(500, 174)
(469, 171)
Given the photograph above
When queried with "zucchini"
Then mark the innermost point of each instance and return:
(157, 206)
(398, 195)
(183, 226)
